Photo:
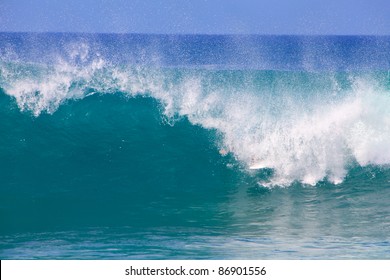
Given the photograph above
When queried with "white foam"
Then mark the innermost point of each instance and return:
(305, 139)
(307, 142)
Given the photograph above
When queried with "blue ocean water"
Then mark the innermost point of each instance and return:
(131, 146)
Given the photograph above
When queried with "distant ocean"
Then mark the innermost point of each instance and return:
(131, 146)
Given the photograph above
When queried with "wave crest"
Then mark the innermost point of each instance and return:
(307, 127)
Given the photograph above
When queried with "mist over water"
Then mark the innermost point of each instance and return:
(163, 130)
(307, 126)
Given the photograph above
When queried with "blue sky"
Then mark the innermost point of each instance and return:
(309, 17)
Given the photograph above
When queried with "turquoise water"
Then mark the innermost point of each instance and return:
(140, 147)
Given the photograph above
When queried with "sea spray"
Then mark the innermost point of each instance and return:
(305, 125)
(143, 146)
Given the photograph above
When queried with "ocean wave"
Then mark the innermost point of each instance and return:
(306, 127)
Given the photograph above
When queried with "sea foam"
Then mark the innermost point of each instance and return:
(305, 126)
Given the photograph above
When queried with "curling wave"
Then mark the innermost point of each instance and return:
(306, 126)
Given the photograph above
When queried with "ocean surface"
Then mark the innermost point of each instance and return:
(131, 146)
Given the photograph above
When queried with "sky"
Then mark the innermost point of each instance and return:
(287, 17)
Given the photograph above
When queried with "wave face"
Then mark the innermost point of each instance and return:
(306, 126)
(146, 122)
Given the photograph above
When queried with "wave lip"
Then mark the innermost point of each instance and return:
(305, 126)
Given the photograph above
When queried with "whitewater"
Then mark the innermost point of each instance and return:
(89, 119)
